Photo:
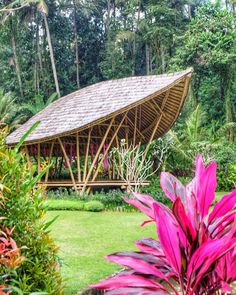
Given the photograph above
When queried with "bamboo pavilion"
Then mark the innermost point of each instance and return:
(77, 132)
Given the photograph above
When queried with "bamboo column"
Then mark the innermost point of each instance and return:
(109, 145)
(78, 157)
(38, 158)
(49, 161)
(68, 164)
(86, 155)
(97, 155)
(135, 125)
(154, 130)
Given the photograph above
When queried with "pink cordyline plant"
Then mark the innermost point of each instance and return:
(196, 250)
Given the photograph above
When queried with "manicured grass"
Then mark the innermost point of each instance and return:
(73, 205)
(85, 238)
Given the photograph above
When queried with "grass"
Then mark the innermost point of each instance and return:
(85, 238)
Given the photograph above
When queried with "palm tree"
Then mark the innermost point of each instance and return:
(9, 111)
(41, 7)
(39, 103)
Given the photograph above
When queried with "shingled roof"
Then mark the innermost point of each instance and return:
(96, 103)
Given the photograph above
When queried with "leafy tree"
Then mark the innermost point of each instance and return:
(38, 104)
(209, 45)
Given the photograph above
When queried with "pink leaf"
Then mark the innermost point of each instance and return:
(223, 206)
(135, 291)
(150, 246)
(182, 218)
(205, 186)
(137, 264)
(168, 235)
(127, 281)
(172, 187)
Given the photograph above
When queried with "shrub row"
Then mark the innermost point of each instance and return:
(74, 205)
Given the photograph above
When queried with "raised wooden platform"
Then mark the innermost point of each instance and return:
(99, 183)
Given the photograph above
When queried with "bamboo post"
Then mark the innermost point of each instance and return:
(68, 164)
(78, 157)
(97, 155)
(38, 158)
(109, 145)
(138, 131)
(135, 125)
(119, 158)
(49, 161)
(86, 155)
(153, 132)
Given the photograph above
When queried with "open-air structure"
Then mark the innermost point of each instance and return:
(77, 132)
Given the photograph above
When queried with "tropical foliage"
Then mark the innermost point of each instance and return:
(196, 250)
(22, 205)
(10, 261)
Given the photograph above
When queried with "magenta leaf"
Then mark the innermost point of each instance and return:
(205, 186)
(137, 264)
(172, 187)
(135, 291)
(168, 235)
(127, 281)
(150, 246)
(183, 220)
(223, 206)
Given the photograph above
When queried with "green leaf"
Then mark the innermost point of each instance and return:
(32, 128)
(47, 224)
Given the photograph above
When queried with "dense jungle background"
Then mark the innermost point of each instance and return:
(51, 48)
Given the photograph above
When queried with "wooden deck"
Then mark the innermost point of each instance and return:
(99, 183)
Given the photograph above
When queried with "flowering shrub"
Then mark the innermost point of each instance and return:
(196, 251)
(10, 260)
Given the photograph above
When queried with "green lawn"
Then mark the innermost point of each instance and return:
(85, 238)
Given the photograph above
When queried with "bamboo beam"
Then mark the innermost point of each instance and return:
(132, 124)
(78, 157)
(68, 164)
(49, 161)
(135, 124)
(86, 155)
(97, 155)
(38, 158)
(165, 99)
(153, 133)
(119, 158)
(159, 109)
(108, 147)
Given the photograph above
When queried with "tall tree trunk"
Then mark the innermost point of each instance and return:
(108, 21)
(147, 51)
(76, 44)
(163, 62)
(16, 61)
(51, 55)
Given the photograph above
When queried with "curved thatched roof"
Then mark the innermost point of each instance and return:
(97, 103)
